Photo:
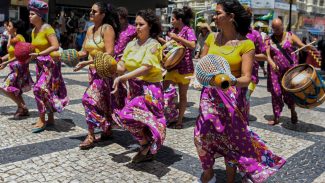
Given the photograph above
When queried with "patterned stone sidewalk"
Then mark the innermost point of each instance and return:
(54, 156)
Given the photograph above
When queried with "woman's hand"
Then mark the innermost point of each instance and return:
(2, 66)
(33, 55)
(274, 66)
(80, 65)
(172, 35)
(116, 83)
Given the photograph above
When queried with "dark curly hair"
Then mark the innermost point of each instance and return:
(123, 12)
(186, 14)
(19, 25)
(242, 19)
(153, 21)
(111, 16)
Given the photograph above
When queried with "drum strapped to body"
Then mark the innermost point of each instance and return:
(215, 71)
(305, 84)
(105, 64)
(173, 53)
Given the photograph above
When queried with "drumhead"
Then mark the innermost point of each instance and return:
(298, 78)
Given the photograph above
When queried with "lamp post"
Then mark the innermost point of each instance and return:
(290, 12)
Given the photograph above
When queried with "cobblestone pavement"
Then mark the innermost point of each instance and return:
(54, 156)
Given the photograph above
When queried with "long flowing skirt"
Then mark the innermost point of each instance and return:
(99, 102)
(170, 107)
(143, 114)
(49, 90)
(222, 130)
(18, 80)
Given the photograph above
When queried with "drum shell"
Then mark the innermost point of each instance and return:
(307, 87)
(173, 53)
(70, 57)
(105, 65)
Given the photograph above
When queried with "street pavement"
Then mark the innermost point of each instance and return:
(54, 156)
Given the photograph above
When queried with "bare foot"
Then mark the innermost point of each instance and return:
(39, 124)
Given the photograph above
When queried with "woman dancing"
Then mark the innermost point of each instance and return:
(143, 114)
(221, 129)
(18, 80)
(49, 89)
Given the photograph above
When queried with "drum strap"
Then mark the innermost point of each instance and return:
(285, 54)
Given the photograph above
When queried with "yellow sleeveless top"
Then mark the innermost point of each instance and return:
(11, 49)
(40, 41)
(96, 43)
(231, 53)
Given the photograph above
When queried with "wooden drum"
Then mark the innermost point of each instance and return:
(305, 85)
(173, 53)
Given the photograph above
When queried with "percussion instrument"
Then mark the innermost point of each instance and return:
(215, 71)
(173, 53)
(314, 58)
(22, 51)
(70, 56)
(105, 64)
(305, 84)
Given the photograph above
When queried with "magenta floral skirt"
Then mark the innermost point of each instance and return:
(143, 114)
(18, 80)
(49, 89)
(99, 102)
(222, 130)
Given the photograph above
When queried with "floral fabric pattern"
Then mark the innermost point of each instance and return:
(49, 90)
(143, 113)
(222, 131)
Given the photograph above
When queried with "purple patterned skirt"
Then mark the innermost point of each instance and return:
(222, 130)
(99, 102)
(49, 90)
(170, 109)
(18, 80)
(144, 113)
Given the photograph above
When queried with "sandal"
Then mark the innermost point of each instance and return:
(21, 112)
(38, 129)
(274, 122)
(139, 157)
(178, 126)
(212, 180)
(88, 143)
(104, 136)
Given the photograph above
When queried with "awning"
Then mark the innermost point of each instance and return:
(315, 31)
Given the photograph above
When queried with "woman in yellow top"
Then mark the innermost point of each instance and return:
(221, 129)
(97, 100)
(18, 80)
(49, 90)
(143, 114)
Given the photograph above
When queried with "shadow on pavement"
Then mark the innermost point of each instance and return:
(166, 156)
(62, 125)
(301, 126)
